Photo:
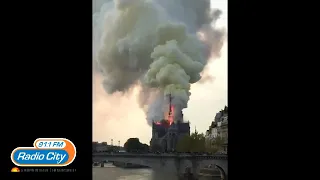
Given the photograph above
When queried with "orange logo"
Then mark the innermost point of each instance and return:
(15, 169)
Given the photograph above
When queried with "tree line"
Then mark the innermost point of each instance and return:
(197, 143)
(194, 143)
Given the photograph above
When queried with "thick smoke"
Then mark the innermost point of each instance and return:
(160, 45)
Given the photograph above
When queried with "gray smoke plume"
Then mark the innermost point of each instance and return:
(161, 45)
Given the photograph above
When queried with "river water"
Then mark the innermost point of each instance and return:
(110, 172)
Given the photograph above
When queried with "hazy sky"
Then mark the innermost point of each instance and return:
(119, 117)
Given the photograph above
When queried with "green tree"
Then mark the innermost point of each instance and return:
(216, 144)
(193, 143)
(144, 148)
(134, 145)
(210, 147)
(197, 142)
(184, 144)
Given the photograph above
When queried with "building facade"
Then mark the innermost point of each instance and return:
(223, 131)
(219, 129)
(100, 147)
(212, 132)
(167, 137)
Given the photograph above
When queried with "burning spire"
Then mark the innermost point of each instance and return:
(170, 117)
(170, 110)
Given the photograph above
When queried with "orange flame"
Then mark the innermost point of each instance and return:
(169, 118)
(171, 115)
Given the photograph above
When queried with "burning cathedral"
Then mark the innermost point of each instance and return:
(166, 133)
